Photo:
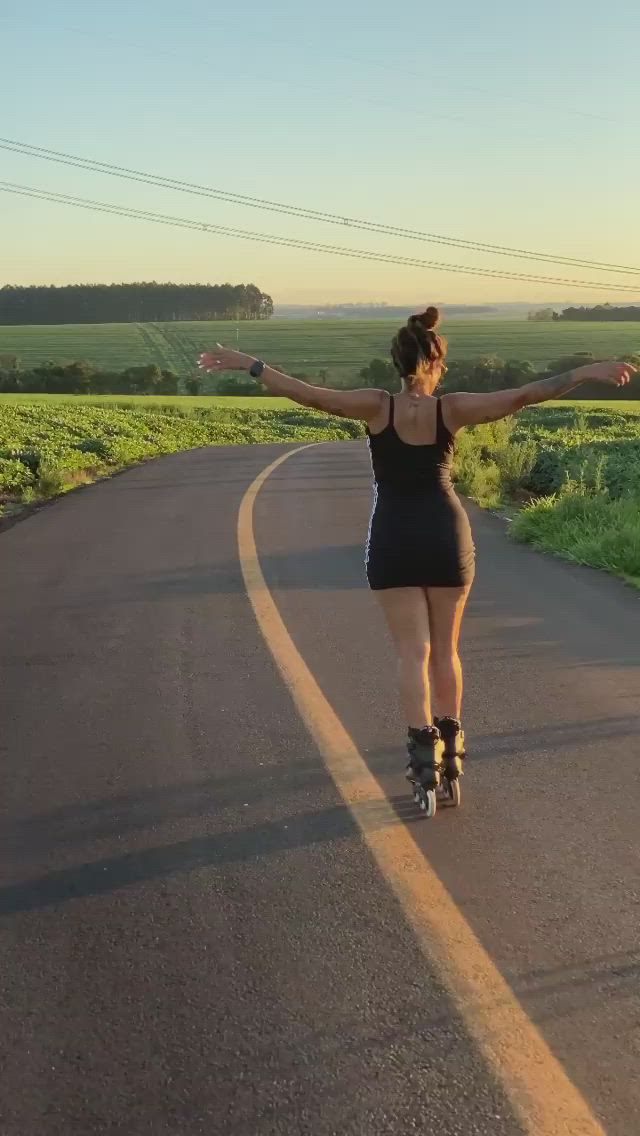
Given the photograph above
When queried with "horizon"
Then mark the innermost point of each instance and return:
(489, 304)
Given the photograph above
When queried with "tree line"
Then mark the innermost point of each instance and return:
(131, 303)
(600, 312)
(489, 373)
(82, 378)
(603, 312)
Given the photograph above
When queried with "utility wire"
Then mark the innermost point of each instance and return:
(291, 242)
(140, 176)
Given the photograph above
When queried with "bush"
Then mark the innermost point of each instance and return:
(379, 373)
(15, 476)
(239, 385)
(487, 463)
(97, 446)
(476, 474)
(515, 462)
(51, 481)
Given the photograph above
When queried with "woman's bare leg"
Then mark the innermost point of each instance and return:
(446, 608)
(407, 614)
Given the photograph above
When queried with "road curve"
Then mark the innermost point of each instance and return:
(194, 936)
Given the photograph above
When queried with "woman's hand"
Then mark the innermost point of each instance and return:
(613, 374)
(224, 359)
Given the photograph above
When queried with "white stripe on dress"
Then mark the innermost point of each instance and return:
(375, 502)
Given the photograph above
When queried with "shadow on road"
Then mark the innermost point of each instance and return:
(251, 843)
(83, 822)
(564, 990)
(324, 568)
(550, 737)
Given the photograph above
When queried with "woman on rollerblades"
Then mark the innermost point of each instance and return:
(419, 553)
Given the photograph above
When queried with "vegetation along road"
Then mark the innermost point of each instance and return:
(572, 472)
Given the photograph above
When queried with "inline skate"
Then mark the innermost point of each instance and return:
(425, 748)
(452, 736)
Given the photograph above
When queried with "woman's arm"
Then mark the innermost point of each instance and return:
(363, 404)
(464, 409)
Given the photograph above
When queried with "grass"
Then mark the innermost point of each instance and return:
(341, 347)
(574, 470)
(585, 528)
(234, 402)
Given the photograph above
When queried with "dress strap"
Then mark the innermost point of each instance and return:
(392, 409)
(442, 433)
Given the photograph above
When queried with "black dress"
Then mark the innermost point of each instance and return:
(419, 533)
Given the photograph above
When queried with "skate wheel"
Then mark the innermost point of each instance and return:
(426, 798)
(454, 793)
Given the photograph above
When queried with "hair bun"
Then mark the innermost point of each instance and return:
(430, 318)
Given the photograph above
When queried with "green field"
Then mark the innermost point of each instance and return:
(157, 401)
(631, 407)
(48, 446)
(232, 402)
(339, 347)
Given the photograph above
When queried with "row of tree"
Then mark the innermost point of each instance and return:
(486, 374)
(82, 378)
(604, 312)
(492, 373)
(132, 303)
(601, 312)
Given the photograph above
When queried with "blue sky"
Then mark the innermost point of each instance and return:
(513, 124)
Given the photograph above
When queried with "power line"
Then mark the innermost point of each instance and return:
(301, 212)
(292, 242)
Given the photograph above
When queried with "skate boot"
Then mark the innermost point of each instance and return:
(453, 757)
(425, 749)
(454, 753)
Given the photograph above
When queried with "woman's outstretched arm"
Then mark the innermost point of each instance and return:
(364, 404)
(465, 409)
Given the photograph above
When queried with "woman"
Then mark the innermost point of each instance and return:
(420, 555)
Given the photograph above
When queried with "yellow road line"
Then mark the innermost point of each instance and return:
(544, 1098)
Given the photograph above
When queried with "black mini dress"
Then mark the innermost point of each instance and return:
(419, 533)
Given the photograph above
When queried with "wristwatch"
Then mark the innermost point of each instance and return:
(256, 369)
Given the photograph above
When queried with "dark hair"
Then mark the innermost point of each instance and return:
(418, 342)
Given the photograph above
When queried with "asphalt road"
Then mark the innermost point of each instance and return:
(194, 937)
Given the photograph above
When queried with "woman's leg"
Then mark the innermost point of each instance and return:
(446, 608)
(407, 616)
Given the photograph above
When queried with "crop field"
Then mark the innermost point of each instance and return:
(627, 407)
(188, 403)
(183, 402)
(48, 447)
(339, 347)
